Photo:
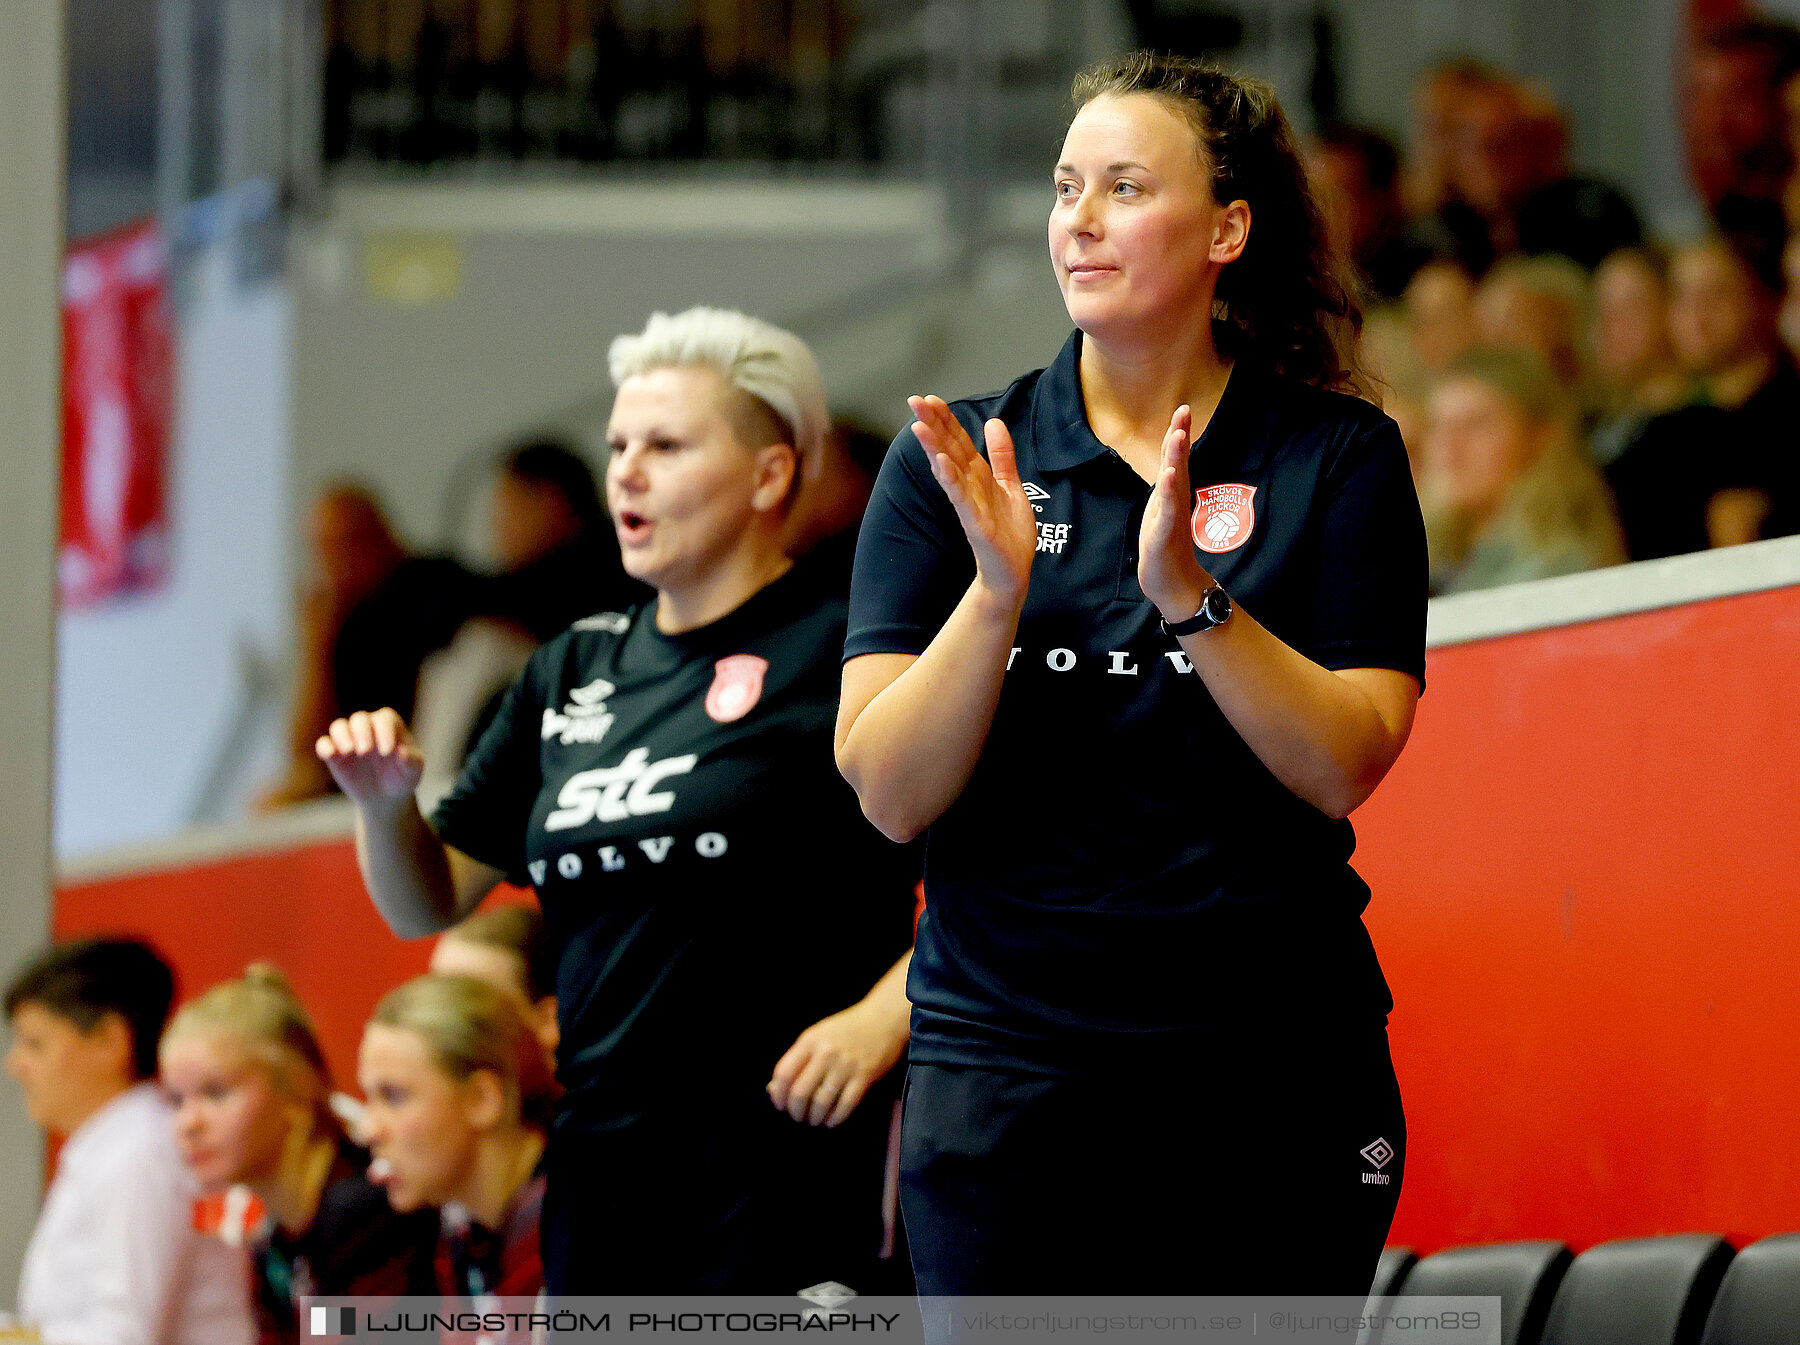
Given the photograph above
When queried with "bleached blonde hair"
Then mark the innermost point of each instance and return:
(756, 358)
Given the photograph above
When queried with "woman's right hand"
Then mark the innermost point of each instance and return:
(371, 756)
(989, 500)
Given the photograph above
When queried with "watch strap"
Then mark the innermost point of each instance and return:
(1202, 619)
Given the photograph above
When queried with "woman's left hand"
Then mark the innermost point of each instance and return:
(1168, 571)
(827, 1071)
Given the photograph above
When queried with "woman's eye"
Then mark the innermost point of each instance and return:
(1066, 191)
(1125, 188)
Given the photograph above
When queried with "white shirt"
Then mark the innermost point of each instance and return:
(115, 1258)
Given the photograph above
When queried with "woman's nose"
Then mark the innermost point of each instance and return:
(1083, 219)
(625, 466)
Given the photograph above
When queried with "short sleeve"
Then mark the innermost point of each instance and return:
(1372, 597)
(487, 813)
(912, 561)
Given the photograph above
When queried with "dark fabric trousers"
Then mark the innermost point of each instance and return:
(1201, 1171)
(757, 1204)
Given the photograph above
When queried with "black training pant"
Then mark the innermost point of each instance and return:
(1203, 1170)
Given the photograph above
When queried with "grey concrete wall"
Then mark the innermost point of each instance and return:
(31, 166)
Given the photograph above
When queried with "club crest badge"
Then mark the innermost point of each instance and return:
(737, 686)
(1223, 517)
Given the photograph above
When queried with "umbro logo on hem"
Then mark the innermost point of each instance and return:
(1378, 1154)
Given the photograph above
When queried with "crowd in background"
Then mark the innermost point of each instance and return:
(1573, 393)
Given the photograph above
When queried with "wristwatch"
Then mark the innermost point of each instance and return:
(1215, 610)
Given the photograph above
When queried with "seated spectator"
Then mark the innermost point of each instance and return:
(1510, 189)
(554, 544)
(1507, 491)
(1735, 127)
(1723, 326)
(558, 561)
(1406, 345)
(251, 1096)
(1438, 96)
(352, 552)
(1440, 314)
(509, 948)
(1358, 172)
(1636, 375)
(459, 1105)
(114, 1258)
(1539, 304)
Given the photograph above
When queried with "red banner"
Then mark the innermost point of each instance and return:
(118, 381)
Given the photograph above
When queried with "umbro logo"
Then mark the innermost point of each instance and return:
(1034, 493)
(1378, 1154)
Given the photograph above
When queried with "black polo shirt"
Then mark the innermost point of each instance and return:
(704, 869)
(1121, 864)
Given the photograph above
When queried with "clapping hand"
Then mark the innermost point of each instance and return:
(986, 493)
(1168, 571)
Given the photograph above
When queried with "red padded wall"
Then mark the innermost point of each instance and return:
(1587, 898)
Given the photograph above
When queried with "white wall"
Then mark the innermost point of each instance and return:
(521, 289)
(147, 687)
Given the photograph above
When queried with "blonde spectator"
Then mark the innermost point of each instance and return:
(1539, 304)
(459, 1104)
(251, 1092)
(508, 947)
(1439, 308)
(1508, 493)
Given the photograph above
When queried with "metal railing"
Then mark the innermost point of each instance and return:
(837, 83)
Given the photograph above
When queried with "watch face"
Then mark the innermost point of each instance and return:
(1216, 605)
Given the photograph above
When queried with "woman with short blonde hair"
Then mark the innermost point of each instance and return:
(731, 934)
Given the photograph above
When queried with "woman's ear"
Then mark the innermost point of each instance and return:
(777, 472)
(544, 1021)
(484, 1099)
(115, 1045)
(1231, 231)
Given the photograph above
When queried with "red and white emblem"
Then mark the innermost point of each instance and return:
(1223, 517)
(737, 686)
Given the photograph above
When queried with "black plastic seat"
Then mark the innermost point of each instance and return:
(1759, 1301)
(1391, 1271)
(1524, 1275)
(1639, 1291)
